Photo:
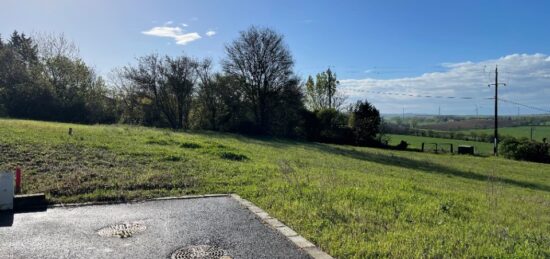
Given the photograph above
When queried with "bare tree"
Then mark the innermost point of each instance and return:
(261, 60)
(51, 45)
(128, 96)
(168, 82)
(208, 95)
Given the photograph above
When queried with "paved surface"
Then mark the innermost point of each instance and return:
(170, 224)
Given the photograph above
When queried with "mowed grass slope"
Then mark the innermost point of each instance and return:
(353, 202)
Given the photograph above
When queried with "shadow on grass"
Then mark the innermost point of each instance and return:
(423, 165)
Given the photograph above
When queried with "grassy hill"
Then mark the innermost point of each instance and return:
(353, 202)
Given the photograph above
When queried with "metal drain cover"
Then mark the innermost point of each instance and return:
(200, 251)
(122, 230)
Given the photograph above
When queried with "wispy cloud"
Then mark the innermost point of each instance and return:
(527, 76)
(184, 24)
(210, 33)
(177, 33)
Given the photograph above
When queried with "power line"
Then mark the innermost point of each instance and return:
(452, 97)
(418, 95)
(525, 105)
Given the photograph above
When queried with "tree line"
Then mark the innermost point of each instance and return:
(46, 80)
(255, 92)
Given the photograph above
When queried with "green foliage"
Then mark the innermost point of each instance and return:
(364, 121)
(322, 93)
(333, 127)
(50, 87)
(524, 149)
(354, 202)
(402, 145)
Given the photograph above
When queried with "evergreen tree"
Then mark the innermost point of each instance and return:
(364, 122)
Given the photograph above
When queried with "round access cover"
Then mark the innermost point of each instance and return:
(122, 230)
(200, 251)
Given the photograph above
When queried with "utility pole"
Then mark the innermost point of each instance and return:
(496, 84)
(439, 111)
(403, 113)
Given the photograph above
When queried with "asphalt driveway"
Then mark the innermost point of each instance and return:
(151, 229)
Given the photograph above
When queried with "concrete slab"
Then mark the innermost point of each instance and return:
(170, 224)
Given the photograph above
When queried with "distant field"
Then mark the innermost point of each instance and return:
(539, 132)
(478, 123)
(353, 202)
(416, 142)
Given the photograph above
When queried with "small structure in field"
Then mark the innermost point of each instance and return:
(466, 150)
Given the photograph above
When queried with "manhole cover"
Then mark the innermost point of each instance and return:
(200, 251)
(122, 230)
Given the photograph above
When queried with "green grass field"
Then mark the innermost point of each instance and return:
(415, 142)
(353, 202)
(539, 132)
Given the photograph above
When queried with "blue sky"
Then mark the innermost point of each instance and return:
(444, 48)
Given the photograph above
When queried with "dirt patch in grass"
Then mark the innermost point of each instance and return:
(72, 170)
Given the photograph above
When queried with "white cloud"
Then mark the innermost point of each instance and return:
(210, 33)
(527, 77)
(184, 24)
(168, 22)
(176, 33)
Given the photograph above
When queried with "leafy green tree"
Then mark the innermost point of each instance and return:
(331, 84)
(23, 93)
(365, 122)
(323, 94)
(37, 85)
(81, 95)
(314, 95)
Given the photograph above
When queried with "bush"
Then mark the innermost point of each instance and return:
(524, 149)
(365, 123)
(333, 128)
(309, 126)
(402, 145)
